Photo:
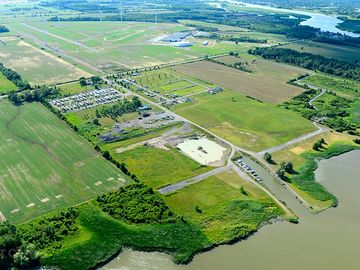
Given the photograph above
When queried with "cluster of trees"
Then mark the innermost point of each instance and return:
(122, 107)
(3, 29)
(268, 158)
(136, 204)
(39, 94)
(15, 77)
(285, 167)
(319, 144)
(330, 66)
(20, 245)
(95, 80)
(15, 251)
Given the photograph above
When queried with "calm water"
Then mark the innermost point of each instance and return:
(324, 22)
(326, 241)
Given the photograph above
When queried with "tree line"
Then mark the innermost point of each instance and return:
(15, 77)
(39, 94)
(310, 61)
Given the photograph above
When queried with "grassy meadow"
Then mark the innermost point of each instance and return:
(45, 165)
(245, 122)
(235, 210)
(158, 167)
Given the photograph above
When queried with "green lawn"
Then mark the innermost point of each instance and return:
(157, 167)
(6, 85)
(227, 213)
(245, 122)
(45, 165)
(74, 88)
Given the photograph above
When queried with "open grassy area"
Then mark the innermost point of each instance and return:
(267, 82)
(327, 50)
(74, 88)
(45, 165)
(304, 158)
(243, 121)
(158, 167)
(35, 65)
(6, 85)
(235, 210)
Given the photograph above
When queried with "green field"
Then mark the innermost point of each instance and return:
(327, 50)
(45, 165)
(168, 81)
(6, 85)
(245, 122)
(74, 88)
(227, 213)
(157, 167)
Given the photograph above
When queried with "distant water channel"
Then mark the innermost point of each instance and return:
(316, 20)
(326, 241)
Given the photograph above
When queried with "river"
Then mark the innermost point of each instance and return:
(325, 241)
(316, 20)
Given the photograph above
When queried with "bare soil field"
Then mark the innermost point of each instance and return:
(267, 82)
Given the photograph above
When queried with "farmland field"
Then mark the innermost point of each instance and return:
(245, 122)
(6, 85)
(159, 167)
(35, 65)
(45, 166)
(267, 82)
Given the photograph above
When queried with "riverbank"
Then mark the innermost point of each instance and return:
(303, 246)
(304, 160)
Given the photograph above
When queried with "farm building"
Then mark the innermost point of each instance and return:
(176, 37)
(183, 44)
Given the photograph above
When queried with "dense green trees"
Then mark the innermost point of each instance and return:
(136, 203)
(331, 66)
(38, 94)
